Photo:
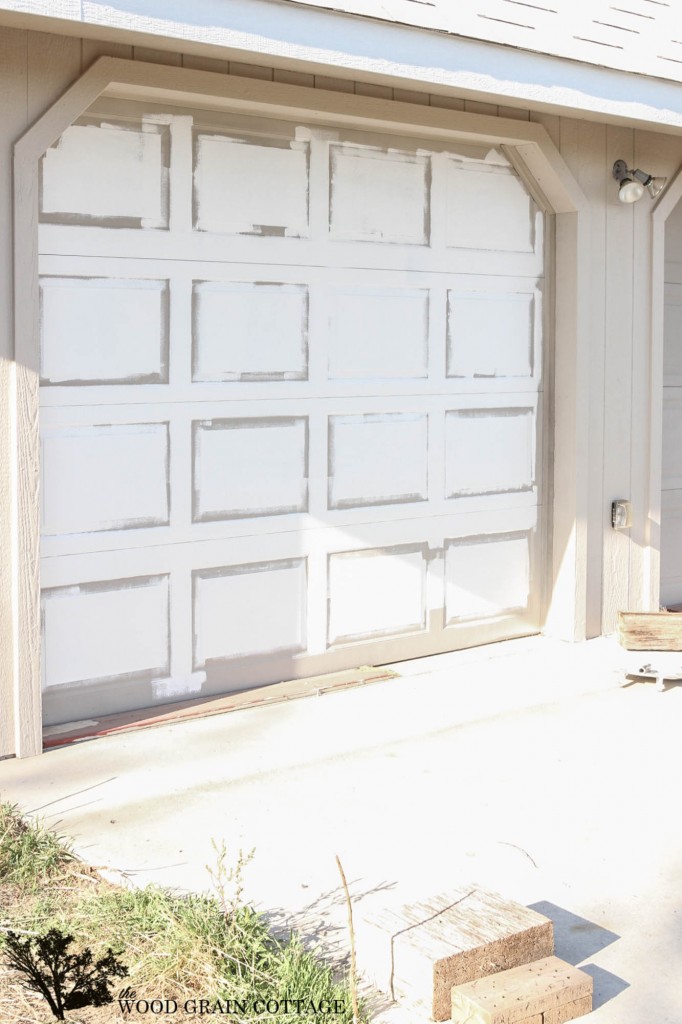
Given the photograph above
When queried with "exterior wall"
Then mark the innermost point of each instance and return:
(37, 67)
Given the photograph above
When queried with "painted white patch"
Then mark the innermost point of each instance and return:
(250, 330)
(377, 459)
(378, 333)
(490, 335)
(104, 477)
(252, 609)
(96, 330)
(104, 172)
(245, 188)
(489, 451)
(178, 686)
(378, 196)
(486, 578)
(92, 633)
(250, 467)
(373, 593)
(487, 208)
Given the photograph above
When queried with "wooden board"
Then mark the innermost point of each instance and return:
(548, 991)
(650, 631)
(419, 951)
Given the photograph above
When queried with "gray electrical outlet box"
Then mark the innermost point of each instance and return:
(621, 514)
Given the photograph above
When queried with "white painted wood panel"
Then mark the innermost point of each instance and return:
(377, 459)
(106, 172)
(106, 477)
(487, 208)
(361, 320)
(243, 187)
(245, 330)
(99, 631)
(103, 331)
(250, 467)
(378, 196)
(376, 592)
(487, 575)
(491, 332)
(244, 610)
(305, 424)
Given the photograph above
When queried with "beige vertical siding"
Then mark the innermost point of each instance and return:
(37, 67)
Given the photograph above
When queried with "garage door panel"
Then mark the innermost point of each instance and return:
(377, 459)
(378, 195)
(249, 331)
(103, 331)
(489, 451)
(492, 333)
(98, 478)
(250, 467)
(107, 173)
(257, 608)
(376, 592)
(487, 208)
(487, 576)
(105, 630)
(361, 318)
(250, 186)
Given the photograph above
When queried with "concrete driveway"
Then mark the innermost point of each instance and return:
(525, 766)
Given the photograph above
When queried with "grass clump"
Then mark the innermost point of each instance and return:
(30, 853)
(176, 946)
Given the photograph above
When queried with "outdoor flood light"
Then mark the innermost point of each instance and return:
(631, 184)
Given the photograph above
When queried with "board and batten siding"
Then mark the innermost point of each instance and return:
(35, 68)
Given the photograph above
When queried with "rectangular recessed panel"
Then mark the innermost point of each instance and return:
(104, 630)
(489, 451)
(671, 549)
(486, 576)
(249, 610)
(379, 333)
(100, 173)
(376, 593)
(488, 209)
(377, 459)
(250, 467)
(490, 334)
(242, 187)
(103, 331)
(245, 331)
(672, 352)
(672, 438)
(378, 196)
(104, 477)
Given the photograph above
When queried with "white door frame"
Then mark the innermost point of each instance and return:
(662, 210)
(534, 156)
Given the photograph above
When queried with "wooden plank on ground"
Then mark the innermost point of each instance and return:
(548, 991)
(650, 631)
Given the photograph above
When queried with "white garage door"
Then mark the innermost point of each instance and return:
(291, 386)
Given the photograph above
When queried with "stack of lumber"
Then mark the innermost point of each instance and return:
(471, 955)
